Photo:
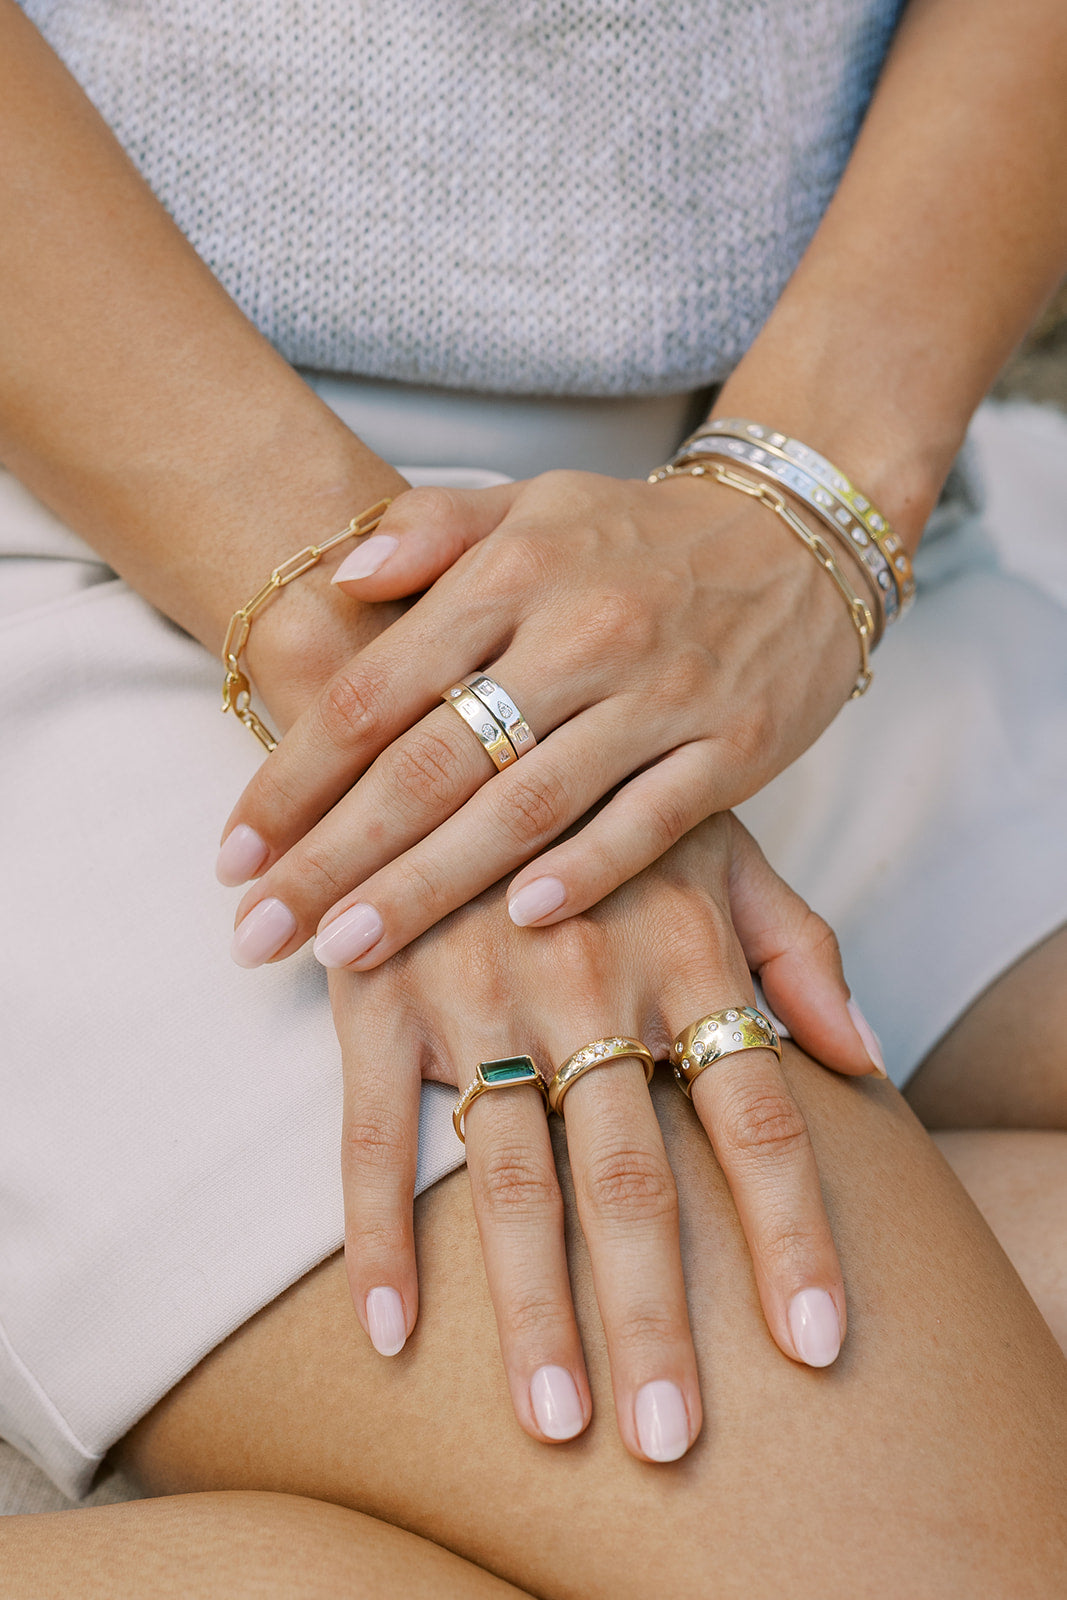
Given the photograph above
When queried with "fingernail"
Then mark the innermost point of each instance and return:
(243, 852)
(385, 1321)
(535, 900)
(261, 934)
(814, 1328)
(556, 1405)
(349, 936)
(662, 1421)
(370, 555)
(871, 1042)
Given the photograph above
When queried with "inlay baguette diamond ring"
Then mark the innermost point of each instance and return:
(504, 709)
(597, 1054)
(718, 1034)
(483, 724)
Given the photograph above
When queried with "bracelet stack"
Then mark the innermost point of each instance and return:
(777, 469)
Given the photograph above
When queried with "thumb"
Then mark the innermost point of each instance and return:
(421, 535)
(797, 958)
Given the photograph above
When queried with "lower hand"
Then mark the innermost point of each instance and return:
(655, 956)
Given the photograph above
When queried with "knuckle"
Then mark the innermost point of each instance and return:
(785, 1243)
(518, 561)
(531, 808)
(422, 768)
(321, 872)
(630, 1185)
(533, 1319)
(765, 1124)
(819, 939)
(351, 708)
(374, 1141)
(512, 1186)
(646, 1328)
(428, 504)
(372, 1240)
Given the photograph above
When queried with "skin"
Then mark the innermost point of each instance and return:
(144, 475)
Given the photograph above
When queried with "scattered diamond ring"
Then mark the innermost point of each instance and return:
(506, 1073)
(482, 723)
(720, 1033)
(597, 1054)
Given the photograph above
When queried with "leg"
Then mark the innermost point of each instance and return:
(242, 1546)
(984, 1098)
(931, 1459)
(1018, 1181)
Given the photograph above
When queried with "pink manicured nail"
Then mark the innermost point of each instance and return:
(871, 1042)
(662, 1422)
(555, 1403)
(370, 555)
(535, 900)
(349, 936)
(261, 934)
(243, 852)
(385, 1322)
(814, 1328)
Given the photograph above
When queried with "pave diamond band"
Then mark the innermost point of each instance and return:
(482, 723)
(504, 709)
(597, 1054)
(718, 1034)
(508, 1073)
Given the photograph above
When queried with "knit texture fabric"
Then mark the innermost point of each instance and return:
(587, 197)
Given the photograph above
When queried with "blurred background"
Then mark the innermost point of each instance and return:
(1039, 371)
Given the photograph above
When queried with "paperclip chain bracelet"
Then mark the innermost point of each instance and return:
(858, 610)
(236, 691)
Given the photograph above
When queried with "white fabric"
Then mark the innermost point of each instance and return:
(168, 1143)
(531, 196)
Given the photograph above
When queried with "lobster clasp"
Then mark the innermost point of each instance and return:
(236, 692)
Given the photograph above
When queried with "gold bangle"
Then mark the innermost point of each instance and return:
(858, 610)
(236, 691)
(597, 1054)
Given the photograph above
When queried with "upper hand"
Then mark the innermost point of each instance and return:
(669, 642)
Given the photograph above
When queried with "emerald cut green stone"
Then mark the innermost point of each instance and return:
(512, 1069)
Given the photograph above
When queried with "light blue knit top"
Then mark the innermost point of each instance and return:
(590, 197)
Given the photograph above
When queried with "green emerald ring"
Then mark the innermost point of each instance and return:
(507, 1073)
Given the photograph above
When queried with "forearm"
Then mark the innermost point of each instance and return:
(948, 232)
(135, 398)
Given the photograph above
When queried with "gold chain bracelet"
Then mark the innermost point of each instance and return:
(858, 609)
(236, 691)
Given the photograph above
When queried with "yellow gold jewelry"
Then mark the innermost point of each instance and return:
(506, 1073)
(466, 704)
(504, 709)
(720, 1033)
(858, 610)
(597, 1054)
(236, 691)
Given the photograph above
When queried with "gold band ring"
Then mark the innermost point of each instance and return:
(466, 704)
(597, 1054)
(504, 709)
(507, 1073)
(720, 1033)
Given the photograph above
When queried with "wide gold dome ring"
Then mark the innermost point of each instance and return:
(718, 1034)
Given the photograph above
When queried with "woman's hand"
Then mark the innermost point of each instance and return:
(669, 642)
(653, 958)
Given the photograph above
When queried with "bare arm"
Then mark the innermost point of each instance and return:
(135, 398)
(948, 232)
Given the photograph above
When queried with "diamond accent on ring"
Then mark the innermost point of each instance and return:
(738, 1038)
(731, 1016)
(455, 693)
(699, 1048)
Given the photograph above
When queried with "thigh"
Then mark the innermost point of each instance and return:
(241, 1546)
(931, 1459)
(1004, 1063)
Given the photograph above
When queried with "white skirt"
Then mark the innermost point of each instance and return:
(169, 1123)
